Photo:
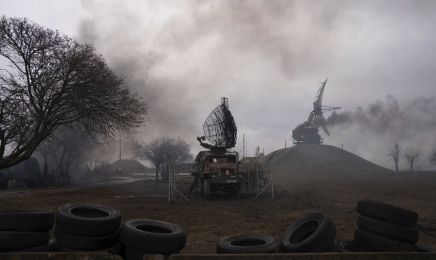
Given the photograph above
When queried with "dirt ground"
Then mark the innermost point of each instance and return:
(327, 176)
(204, 221)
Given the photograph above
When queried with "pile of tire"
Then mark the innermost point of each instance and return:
(382, 228)
(313, 233)
(86, 227)
(145, 236)
(26, 231)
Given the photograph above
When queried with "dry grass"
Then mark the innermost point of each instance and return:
(329, 176)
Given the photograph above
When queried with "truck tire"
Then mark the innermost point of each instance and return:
(26, 220)
(153, 236)
(312, 233)
(52, 246)
(16, 240)
(248, 244)
(371, 242)
(134, 254)
(81, 242)
(241, 190)
(348, 245)
(419, 248)
(81, 218)
(387, 212)
(388, 230)
(117, 249)
(206, 189)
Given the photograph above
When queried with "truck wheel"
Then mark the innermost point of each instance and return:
(248, 244)
(26, 220)
(387, 212)
(207, 193)
(88, 219)
(313, 233)
(153, 236)
(241, 190)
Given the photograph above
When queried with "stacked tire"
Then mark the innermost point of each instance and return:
(382, 228)
(26, 231)
(313, 233)
(145, 236)
(86, 227)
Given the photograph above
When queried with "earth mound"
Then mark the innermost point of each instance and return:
(330, 173)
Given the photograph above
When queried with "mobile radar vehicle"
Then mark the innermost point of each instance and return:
(216, 171)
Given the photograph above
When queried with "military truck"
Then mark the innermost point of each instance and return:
(218, 174)
(217, 171)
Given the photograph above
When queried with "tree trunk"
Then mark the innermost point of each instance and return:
(157, 174)
(396, 166)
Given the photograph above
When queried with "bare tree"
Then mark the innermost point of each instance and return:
(433, 156)
(154, 151)
(53, 81)
(394, 152)
(411, 155)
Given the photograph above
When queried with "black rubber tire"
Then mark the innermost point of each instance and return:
(134, 254)
(420, 248)
(312, 233)
(26, 220)
(117, 249)
(52, 246)
(206, 189)
(16, 240)
(374, 243)
(348, 245)
(248, 244)
(81, 242)
(241, 190)
(388, 230)
(387, 212)
(81, 218)
(153, 236)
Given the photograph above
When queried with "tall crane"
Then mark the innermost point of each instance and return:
(319, 109)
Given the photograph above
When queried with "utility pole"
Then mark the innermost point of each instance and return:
(243, 145)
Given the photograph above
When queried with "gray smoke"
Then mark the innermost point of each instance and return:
(183, 56)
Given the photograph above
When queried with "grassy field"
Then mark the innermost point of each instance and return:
(326, 175)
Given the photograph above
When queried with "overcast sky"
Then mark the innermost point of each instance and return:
(268, 58)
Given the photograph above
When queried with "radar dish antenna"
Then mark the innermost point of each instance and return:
(219, 128)
(319, 109)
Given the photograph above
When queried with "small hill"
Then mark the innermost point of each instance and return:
(335, 175)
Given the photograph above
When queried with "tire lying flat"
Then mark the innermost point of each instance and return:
(117, 249)
(52, 246)
(26, 220)
(81, 242)
(312, 233)
(153, 236)
(371, 243)
(388, 230)
(421, 248)
(348, 245)
(81, 218)
(16, 240)
(248, 244)
(387, 212)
